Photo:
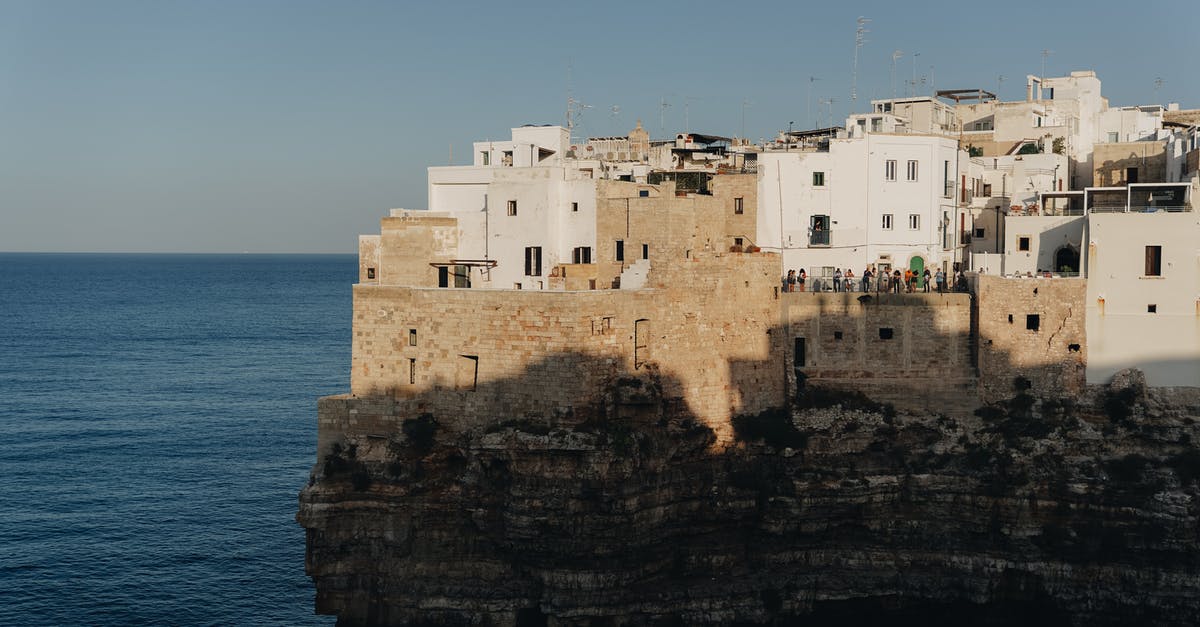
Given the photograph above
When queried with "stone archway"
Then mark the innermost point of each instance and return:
(1066, 259)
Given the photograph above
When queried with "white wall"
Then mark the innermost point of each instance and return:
(1047, 234)
(1121, 332)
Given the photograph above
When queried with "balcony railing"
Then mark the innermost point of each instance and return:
(1140, 209)
(819, 238)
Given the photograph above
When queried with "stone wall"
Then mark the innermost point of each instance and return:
(1110, 162)
(1033, 328)
(671, 227)
(472, 357)
(912, 350)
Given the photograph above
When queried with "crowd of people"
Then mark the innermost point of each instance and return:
(907, 281)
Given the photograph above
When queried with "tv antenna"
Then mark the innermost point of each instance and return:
(896, 56)
(859, 39)
(687, 103)
(662, 110)
(829, 101)
(811, 80)
(1045, 53)
(914, 72)
(745, 103)
(1158, 83)
(999, 83)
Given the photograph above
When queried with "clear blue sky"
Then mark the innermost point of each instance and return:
(265, 126)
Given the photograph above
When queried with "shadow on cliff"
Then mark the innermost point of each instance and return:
(832, 508)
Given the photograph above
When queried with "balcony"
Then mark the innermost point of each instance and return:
(819, 238)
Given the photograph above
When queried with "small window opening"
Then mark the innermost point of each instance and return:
(1074, 348)
(837, 335)
(1151, 308)
(412, 337)
(370, 273)
(1023, 244)
(575, 206)
(512, 207)
(468, 371)
(412, 371)
(643, 193)
(1033, 322)
(738, 207)
(620, 250)
(645, 251)
(1010, 319)
(886, 333)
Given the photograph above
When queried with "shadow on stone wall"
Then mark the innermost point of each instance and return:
(838, 509)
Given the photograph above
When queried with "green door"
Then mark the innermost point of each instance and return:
(917, 265)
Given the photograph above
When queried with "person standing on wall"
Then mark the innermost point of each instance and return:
(837, 279)
(940, 278)
(925, 281)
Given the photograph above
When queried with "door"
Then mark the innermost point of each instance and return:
(917, 265)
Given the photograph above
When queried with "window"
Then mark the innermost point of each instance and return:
(575, 207)
(820, 231)
(876, 125)
(818, 179)
(978, 232)
(641, 342)
(443, 276)
(462, 276)
(949, 182)
(912, 170)
(645, 251)
(1131, 175)
(737, 241)
(889, 169)
(506, 158)
(412, 370)
(737, 206)
(887, 221)
(412, 337)
(467, 373)
(1113, 138)
(370, 273)
(1033, 322)
(512, 207)
(643, 193)
(886, 333)
(1151, 308)
(1154, 261)
(582, 254)
(914, 221)
(837, 335)
(1023, 243)
(620, 250)
(485, 158)
(533, 261)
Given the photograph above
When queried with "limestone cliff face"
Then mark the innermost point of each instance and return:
(1036, 510)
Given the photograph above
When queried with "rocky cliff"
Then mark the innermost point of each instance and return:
(840, 510)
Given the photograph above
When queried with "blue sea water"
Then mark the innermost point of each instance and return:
(157, 420)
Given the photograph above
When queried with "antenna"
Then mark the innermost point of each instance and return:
(662, 109)
(745, 103)
(914, 72)
(811, 80)
(1045, 53)
(999, 82)
(859, 39)
(829, 101)
(895, 56)
(1158, 83)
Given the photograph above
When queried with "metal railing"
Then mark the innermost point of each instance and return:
(819, 238)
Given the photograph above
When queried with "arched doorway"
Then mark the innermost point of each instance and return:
(917, 265)
(1066, 259)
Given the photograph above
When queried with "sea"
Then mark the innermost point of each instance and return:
(157, 422)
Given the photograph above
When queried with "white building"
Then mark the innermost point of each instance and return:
(1143, 295)
(886, 200)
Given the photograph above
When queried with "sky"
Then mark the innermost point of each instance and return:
(293, 126)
